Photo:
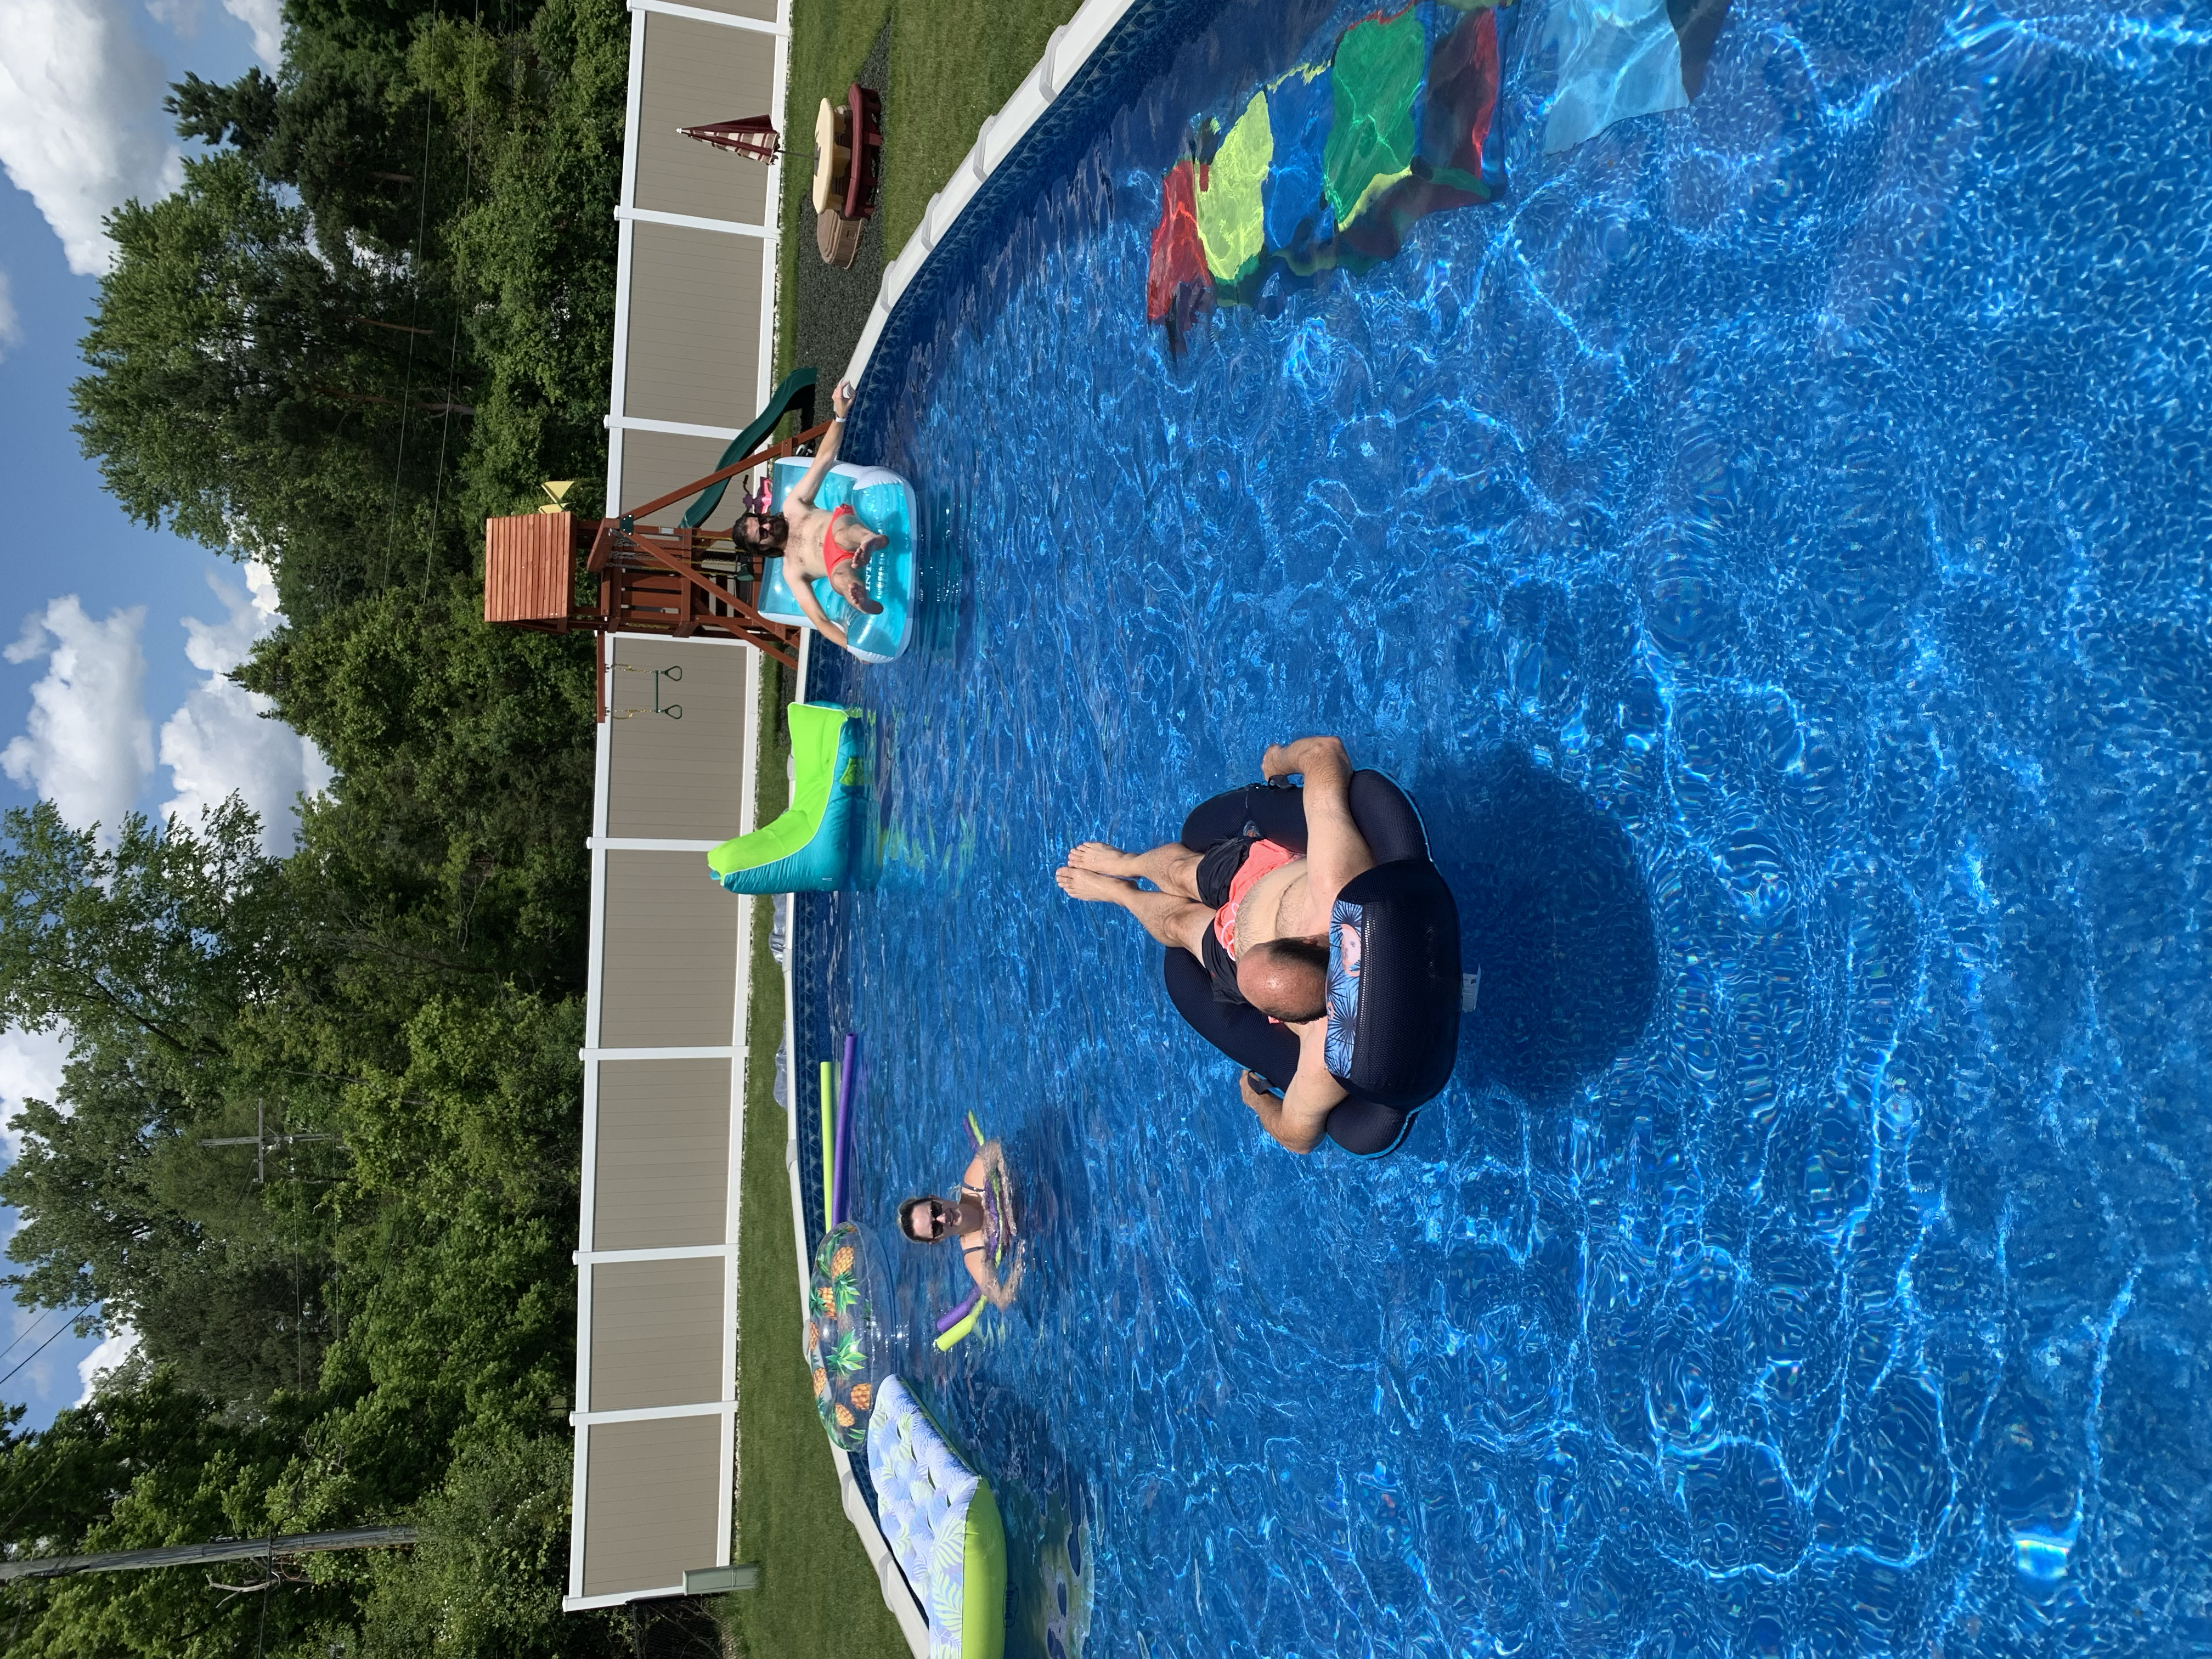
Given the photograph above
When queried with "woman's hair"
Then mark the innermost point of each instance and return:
(906, 1219)
(767, 550)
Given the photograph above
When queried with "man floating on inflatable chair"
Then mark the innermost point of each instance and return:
(1256, 917)
(813, 542)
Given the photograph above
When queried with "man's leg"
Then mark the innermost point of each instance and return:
(1171, 919)
(1172, 868)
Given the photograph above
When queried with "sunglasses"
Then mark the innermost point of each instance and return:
(938, 1218)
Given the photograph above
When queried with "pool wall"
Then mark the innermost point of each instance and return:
(855, 1492)
(1095, 63)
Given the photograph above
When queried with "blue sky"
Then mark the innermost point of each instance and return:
(117, 637)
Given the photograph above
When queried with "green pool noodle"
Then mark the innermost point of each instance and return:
(828, 1091)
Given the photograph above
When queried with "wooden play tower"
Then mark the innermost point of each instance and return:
(679, 580)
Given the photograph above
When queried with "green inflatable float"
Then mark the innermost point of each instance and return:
(942, 1524)
(809, 849)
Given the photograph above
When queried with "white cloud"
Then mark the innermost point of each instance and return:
(266, 18)
(219, 742)
(30, 1069)
(11, 326)
(180, 17)
(80, 126)
(90, 747)
(116, 1348)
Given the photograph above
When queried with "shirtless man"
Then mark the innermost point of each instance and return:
(812, 543)
(1257, 915)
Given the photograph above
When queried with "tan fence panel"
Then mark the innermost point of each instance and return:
(651, 1495)
(669, 971)
(696, 73)
(675, 776)
(656, 1334)
(695, 326)
(654, 463)
(664, 1148)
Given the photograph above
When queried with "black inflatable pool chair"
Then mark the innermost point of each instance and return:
(1407, 1026)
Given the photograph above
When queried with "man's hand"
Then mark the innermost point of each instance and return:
(1281, 760)
(1297, 1130)
(841, 400)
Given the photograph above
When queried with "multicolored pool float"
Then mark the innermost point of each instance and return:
(942, 1524)
(885, 503)
(999, 1203)
(1329, 165)
(1394, 964)
(842, 1342)
(809, 847)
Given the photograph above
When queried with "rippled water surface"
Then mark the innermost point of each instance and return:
(1770, 545)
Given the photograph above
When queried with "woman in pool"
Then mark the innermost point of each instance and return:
(814, 544)
(981, 1215)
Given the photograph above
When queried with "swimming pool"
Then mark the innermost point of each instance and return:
(1770, 543)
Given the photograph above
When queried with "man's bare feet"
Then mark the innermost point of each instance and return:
(1107, 861)
(1091, 885)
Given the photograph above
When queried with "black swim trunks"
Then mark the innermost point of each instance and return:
(1217, 868)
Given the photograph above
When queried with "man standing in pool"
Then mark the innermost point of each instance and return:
(1255, 915)
(815, 544)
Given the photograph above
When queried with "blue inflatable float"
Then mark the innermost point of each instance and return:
(885, 503)
(809, 849)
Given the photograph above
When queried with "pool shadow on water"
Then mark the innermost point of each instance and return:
(945, 615)
(1555, 914)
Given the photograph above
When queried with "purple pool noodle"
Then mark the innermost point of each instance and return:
(958, 1313)
(844, 1108)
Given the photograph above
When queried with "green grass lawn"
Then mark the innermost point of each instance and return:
(952, 63)
(818, 1597)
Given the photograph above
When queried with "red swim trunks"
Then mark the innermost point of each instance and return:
(1262, 857)
(832, 555)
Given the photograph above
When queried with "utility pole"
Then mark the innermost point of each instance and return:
(220, 1549)
(263, 1142)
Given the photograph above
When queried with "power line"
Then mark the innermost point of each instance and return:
(453, 355)
(33, 1326)
(415, 315)
(221, 1549)
(36, 1352)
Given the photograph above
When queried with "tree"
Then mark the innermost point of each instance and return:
(455, 844)
(237, 397)
(485, 1579)
(150, 1465)
(157, 956)
(163, 939)
(379, 307)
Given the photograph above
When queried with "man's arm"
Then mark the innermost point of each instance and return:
(1297, 1115)
(803, 590)
(825, 452)
(1336, 850)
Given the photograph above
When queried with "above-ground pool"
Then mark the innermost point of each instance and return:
(1769, 539)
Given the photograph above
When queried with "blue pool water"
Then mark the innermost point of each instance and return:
(1773, 539)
